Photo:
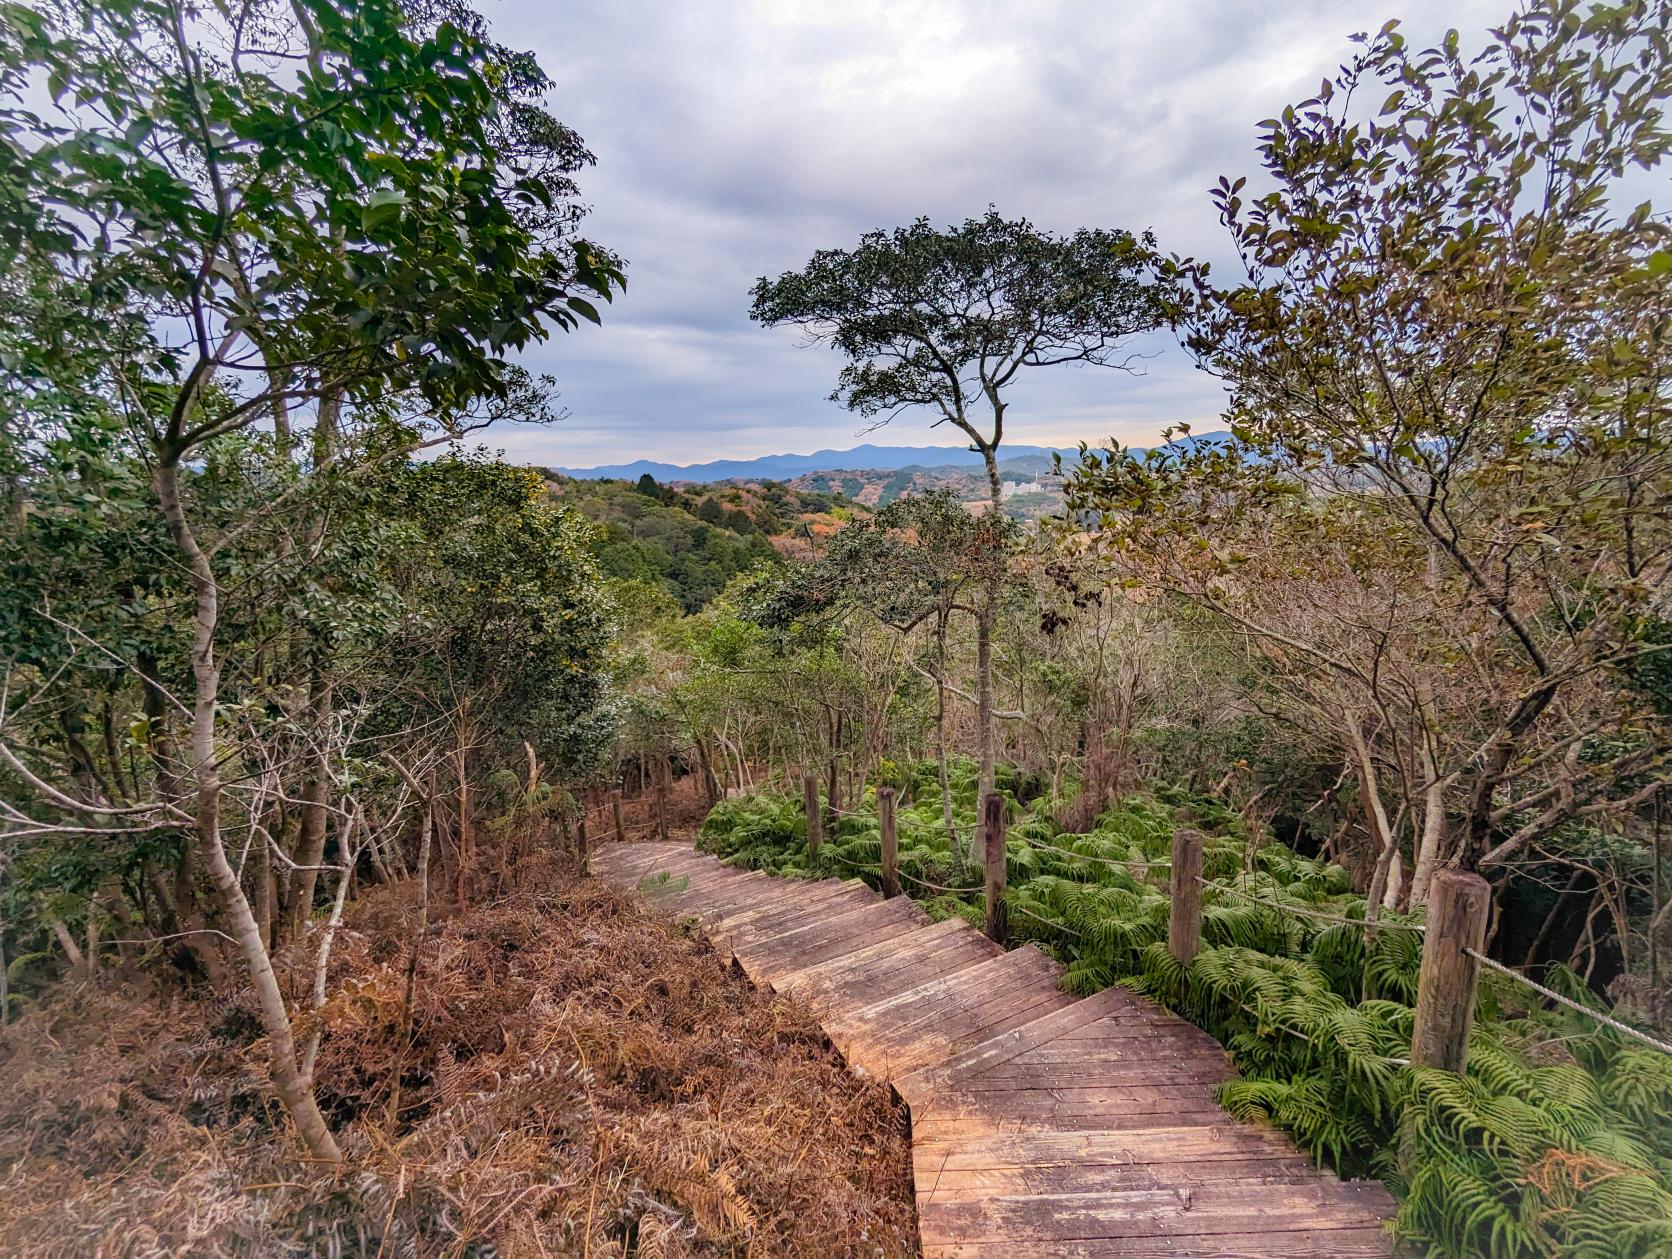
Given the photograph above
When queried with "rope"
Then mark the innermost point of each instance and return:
(1625, 1029)
(912, 878)
(857, 865)
(1309, 913)
(870, 816)
(1058, 926)
(1108, 861)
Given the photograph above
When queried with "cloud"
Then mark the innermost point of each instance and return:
(734, 139)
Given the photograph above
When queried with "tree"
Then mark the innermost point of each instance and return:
(323, 217)
(1451, 340)
(945, 320)
(911, 564)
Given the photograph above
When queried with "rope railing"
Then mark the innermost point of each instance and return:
(1625, 1029)
(1051, 923)
(1108, 861)
(857, 865)
(957, 891)
(1310, 913)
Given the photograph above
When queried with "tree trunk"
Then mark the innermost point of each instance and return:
(1381, 834)
(293, 1091)
(940, 730)
(1427, 858)
(316, 795)
(986, 618)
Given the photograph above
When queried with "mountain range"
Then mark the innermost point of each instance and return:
(860, 458)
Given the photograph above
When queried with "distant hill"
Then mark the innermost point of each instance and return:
(788, 467)
(691, 542)
(865, 458)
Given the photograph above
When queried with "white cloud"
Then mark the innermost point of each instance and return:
(733, 140)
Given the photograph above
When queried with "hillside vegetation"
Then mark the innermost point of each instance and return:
(1529, 1153)
(690, 542)
(309, 708)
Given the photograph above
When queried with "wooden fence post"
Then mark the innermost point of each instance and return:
(1457, 911)
(890, 842)
(615, 815)
(810, 800)
(583, 845)
(1184, 924)
(992, 848)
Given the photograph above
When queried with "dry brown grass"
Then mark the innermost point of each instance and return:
(584, 1078)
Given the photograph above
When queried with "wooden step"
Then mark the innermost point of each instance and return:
(836, 937)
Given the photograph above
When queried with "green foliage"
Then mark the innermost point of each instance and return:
(988, 297)
(1511, 1159)
(691, 549)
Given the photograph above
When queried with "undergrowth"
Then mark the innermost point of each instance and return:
(582, 1078)
(1557, 1140)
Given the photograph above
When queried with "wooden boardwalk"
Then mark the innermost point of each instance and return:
(1042, 1124)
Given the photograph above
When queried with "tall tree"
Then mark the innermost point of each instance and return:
(1448, 311)
(945, 320)
(278, 216)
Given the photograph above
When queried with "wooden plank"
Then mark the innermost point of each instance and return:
(867, 976)
(971, 1000)
(1111, 1002)
(789, 936)
(1223, 1139)
(1341, 1243)
(719, 900)
(889, 953)
(1211, 1208)
(1191, 1072)
(816, 939)
(758, 930)
(623, 859)
(692, 869)
(945, 1123)
(716, 904)
(1018, 966)
(941, 1041)
(1101, 1109)
(707, 888)
(843, 935)
(738, 925)
(958, 952)
(978, 1184)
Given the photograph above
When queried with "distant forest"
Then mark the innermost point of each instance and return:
(692, 542)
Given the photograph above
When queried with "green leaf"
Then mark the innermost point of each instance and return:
(382, 208)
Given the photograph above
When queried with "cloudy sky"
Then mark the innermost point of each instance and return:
(735, 138)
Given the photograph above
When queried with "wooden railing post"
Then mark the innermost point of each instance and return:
(810, 801)
(1184, 924)
(583, 846)
(615, 815)
(992, 848)
(1457, 912)
(890, 841)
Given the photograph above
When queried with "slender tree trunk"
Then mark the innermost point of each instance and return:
(985, 620)
(316, 796)
(1433, 804)
(940, 729)
(264, 892)
(1387, 845)
(288, 1082)
(467, 835)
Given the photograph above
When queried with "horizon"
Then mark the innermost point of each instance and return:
(1014, 450)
